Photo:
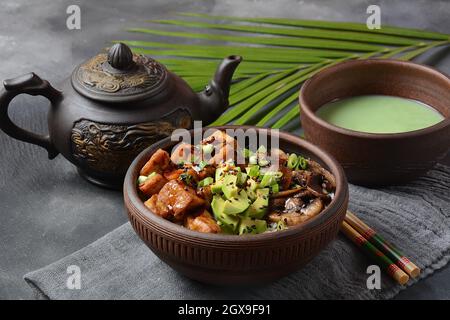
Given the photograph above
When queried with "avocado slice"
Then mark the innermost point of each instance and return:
(252, 226)
(251, 195)
(252, 184)
(263, 192)
(228, 228)
(259, 207)
(205, 182)
(220, 173)
(217, 204)
(241, 178)
(216, 187)
(229, 186)
(237, 204)
(230, 222)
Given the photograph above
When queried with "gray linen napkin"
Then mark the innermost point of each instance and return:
(414, 216)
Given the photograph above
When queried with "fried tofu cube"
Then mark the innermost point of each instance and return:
(153, 184)
(183, 153)
(202, 222)
(159, 161)
(157, 207)
(179, 198)
(218, 137)
(173, 174)
(225, 147)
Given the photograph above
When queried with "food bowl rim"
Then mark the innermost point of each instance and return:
(341, 194)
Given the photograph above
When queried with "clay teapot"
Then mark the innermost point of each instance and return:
(112, 107)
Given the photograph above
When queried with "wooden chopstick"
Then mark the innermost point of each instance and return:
(385, 263)
(380, 243)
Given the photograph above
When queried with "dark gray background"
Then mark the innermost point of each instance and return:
(47, 210)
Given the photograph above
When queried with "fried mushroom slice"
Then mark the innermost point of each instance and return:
(300, 177)
(287, 193)
(278, 154)
(153, 184)
(293, 204)
(277, 204)
(313, 208)
(158, 162)
(298, 217)
(286, 178)
(316, 185)
(317, 168)
(202, 222)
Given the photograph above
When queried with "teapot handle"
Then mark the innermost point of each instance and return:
(33, 85)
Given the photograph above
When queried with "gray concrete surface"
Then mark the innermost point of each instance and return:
(46, 210)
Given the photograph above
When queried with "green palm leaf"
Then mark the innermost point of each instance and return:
(244, 50)
(333, 25)
(276, 41)
(296, 32)
(279, 54)
(242, 107)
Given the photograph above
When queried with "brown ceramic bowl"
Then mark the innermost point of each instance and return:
(230, 259)
(378, 159)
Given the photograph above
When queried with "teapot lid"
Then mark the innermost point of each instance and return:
(119, 76)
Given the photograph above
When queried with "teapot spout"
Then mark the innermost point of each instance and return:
(224, 73)
(214, 99)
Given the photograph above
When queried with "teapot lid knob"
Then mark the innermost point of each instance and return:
(120, 57)
(120, 75)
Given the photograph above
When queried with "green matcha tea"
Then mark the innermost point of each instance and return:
(379, 114)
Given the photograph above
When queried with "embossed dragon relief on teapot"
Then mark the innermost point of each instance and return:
(112, 107)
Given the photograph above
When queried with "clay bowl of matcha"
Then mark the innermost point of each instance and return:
(237, 259)
(386, 121)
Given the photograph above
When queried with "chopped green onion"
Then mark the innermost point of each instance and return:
(270, 178)
(230, 162)
(261, 149)
(253, 159)
(141, 179)
(206, 182)
(207, 148)
(292, 161)
(202, 164)
(186, 178)
(246, 153)
(281, 225)
(302, 163)
(275, 188)
(263, 162)
(180, 164)
(253, 171)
